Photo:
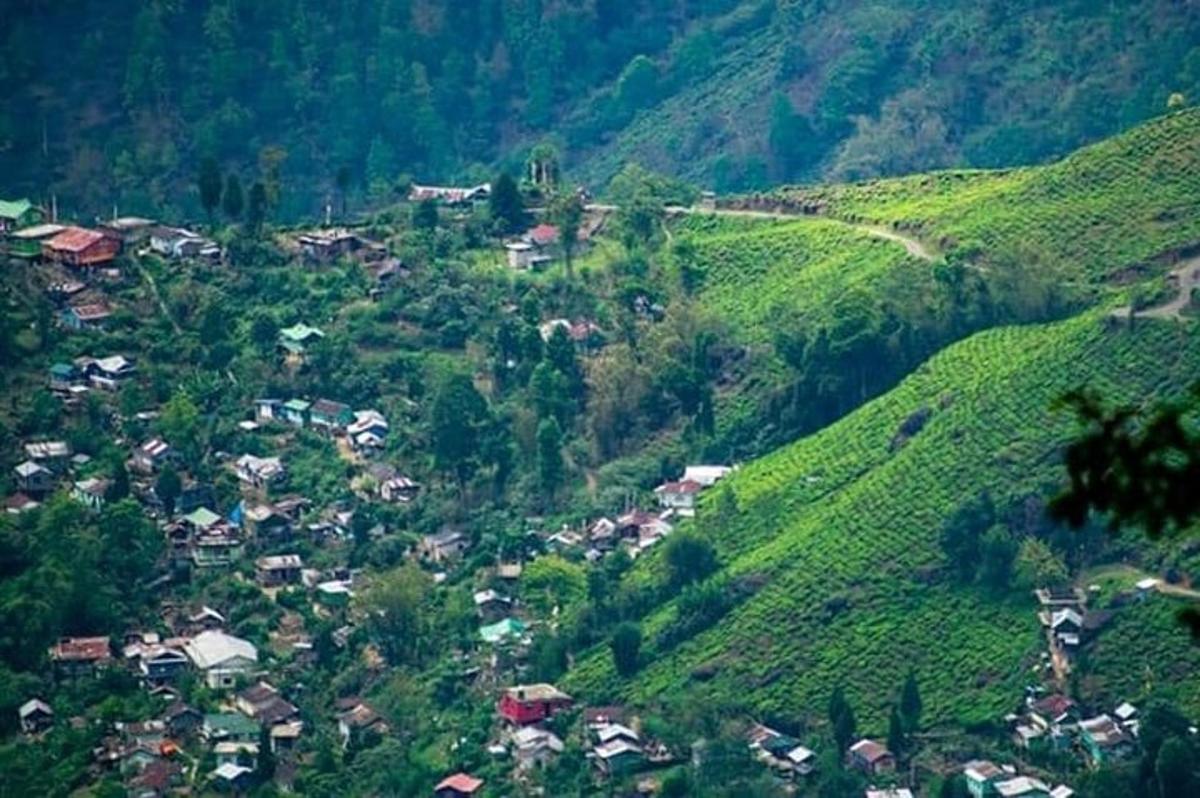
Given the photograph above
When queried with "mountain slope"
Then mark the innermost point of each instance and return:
(841, 530)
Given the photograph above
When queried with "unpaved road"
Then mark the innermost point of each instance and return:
(1187, 274)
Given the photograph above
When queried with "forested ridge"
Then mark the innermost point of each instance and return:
(115, 103)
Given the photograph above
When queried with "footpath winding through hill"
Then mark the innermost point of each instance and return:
(1187, 277)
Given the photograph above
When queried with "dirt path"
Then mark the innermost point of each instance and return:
(1187, 275)
(911, 245)
(162, 305)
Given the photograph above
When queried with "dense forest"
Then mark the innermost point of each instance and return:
(115, 103)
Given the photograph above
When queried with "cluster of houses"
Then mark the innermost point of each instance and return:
(985, 779)
(1055, 723)
(364, 430)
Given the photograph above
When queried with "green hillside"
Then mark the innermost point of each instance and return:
(840, 529)
(326, 101)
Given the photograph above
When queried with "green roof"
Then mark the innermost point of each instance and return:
(231, 723)
(14, 209)
(62, 370)
(299, 405)
(203, 517)
(509, 627)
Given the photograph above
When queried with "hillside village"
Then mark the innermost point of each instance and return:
(334, 566)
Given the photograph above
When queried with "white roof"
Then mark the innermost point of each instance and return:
(1149, 583)
(1021, 785)
(29, 468)
(1062, 791)
(230, 771)
(894, 792)
(212, 648)
(1125, 711)
(34, 705)
(111, 364)
(615, 748)
(705, 474)
(484, 596)
(1065, 615)
(279, 561)
(613, 731)
(531, 737)
(800, 754)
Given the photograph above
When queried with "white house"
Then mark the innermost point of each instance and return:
(222, 658)
(706, 475)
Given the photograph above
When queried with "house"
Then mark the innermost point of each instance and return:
(52, 454)
(151, 456)
(357, 719)
(80, 656)
(129, 229)
(35, 716)
(524, 256)
(268, 410)
(618, 757)
(1127, 715)
(279, 569)
(1021, 787)
(1145, 587)
(158, 779)
(460, 785)
(81, 248)
(182, 719)
(782, 752)
(15, 214)
(981, 777)
(229, 726)
(450, 195)
(491, 605)
(150, 733)
(233, 777)
(284, 736)
(264, 703)
(20, 503)
(534, 747)
(330, 416)
(222, 658)
(89, 316)
(398, 490)
(367, 430)
(503, 631)
(90, 492)
(1104, 740)
(259, 472)
(295, 412)
(443, 546)
(108, 373)
(33, 478)
(531, 703)
(267, 522)
(296, 339)
(325, 246)
(178, 243)
(159, 664)
(201, 520)
(216, 548)
(706, 475)
(1059, 597)
(28, 243)
(871, 758)
(680, 496)
(63, 377)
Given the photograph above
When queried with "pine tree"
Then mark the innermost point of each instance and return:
(257, 212)
(506, 206)
(232, 201)
(209, 182)
(910, 703)
(896, 741)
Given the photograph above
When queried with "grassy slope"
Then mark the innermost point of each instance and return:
(839, 514)
(1095, 213)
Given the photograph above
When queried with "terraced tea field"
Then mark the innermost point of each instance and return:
(841, 530)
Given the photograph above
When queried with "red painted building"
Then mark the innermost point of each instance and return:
(80, 247)
(531, 703)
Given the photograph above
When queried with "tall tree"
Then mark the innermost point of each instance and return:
(458, 413)
(690, 558)
(896, 740)
(842, 722)
(626, 646)
(506, 206)
(910, 702)
(257, 211)
(232, 200)
(167, 488)
(567, 214)
(550, 459)
(209, 182)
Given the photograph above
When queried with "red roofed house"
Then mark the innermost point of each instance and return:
(79, 656)
(679, 496)
(531, 703)
(871, 758)
(89, 316)
(79, 247)
(543, 235)
(460, 785)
